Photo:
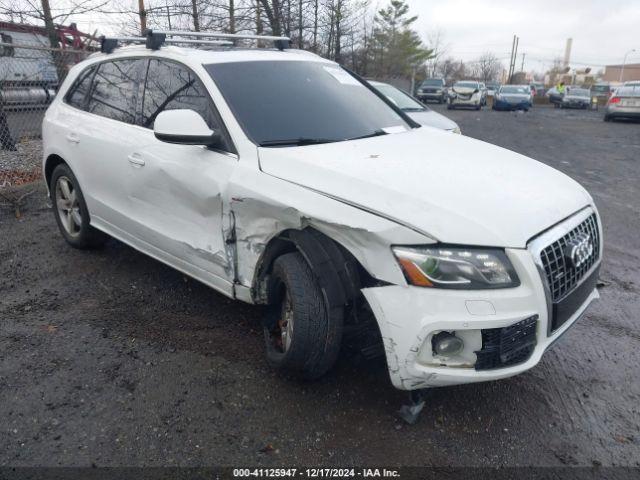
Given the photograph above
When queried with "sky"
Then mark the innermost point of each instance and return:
(602, 31)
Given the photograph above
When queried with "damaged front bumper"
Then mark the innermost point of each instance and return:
(409, 317)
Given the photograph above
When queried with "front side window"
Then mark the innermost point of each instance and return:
(80, 89)
(113, 92)
(284, 102)
(170, 86)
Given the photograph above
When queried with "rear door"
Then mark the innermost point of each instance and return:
(104, 140)
(176, 191)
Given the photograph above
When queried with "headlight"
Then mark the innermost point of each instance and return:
(457, 130)
(455, 267)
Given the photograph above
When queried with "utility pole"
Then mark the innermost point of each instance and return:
(49, 25)
(522, 68)
(56, 55)
(514, 56)
(143, 16)
(168, 15)
(196, 18)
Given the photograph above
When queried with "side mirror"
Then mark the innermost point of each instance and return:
(185, 127)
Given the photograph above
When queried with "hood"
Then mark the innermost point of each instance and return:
(464, 90)
(433, 119)
(451, 187)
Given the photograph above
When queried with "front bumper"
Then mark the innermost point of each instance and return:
(431, 95)
(457, 100)
(502, 105)
(409, 317)
(575, 104)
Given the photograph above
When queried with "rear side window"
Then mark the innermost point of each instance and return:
(113, 93)
(80, 89)
(169, 86)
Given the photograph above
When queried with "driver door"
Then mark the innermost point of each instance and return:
(176, 191)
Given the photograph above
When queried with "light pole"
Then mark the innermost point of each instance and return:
(624, 62)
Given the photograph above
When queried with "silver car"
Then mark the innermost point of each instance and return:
(576, 98)
(625, 103)
(416, 110)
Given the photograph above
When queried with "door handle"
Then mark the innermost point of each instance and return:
(73, 138)
(135, 160)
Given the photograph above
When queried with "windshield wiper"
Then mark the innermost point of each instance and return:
(296, 141)
(377, 133)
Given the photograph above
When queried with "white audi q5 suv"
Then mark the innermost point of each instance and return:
(277, 177)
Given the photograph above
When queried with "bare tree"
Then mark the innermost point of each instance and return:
(487, 67)
(436, 43)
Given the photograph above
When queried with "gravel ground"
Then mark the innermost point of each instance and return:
(111, 358)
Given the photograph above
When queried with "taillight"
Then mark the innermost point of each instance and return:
(614, 100)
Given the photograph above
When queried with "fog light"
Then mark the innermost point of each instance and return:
(446, 344)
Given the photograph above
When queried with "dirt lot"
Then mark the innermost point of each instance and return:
(111, 358)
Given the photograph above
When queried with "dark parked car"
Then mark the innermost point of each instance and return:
(513, 97)
(432, 89)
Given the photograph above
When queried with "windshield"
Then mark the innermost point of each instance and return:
(281, 103)
(515, 90)
(579, 92)
(402, 100)
(466, 85)
(600, 88)
(432, 82)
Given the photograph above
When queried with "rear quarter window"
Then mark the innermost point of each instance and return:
(77, 94)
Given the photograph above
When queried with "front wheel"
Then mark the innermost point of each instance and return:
(301, 338)
(70, 210)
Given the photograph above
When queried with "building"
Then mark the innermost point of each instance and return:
(612, 72)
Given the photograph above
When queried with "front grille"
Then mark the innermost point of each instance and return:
(562, 276)
(507, 346)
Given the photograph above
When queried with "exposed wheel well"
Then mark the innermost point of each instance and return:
(51, 163)
(326, 257)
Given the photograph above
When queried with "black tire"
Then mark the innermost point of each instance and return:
(86, 236)
(314, 339)
(449, 106)
(607, 118)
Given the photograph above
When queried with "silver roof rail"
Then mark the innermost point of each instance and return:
(108, 44)
(154, 39)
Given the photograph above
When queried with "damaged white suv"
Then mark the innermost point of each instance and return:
(279, 178)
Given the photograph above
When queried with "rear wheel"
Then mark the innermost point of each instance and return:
(607, 118)
(300, 337)
(70, 210)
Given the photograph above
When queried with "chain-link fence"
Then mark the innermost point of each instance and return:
(29, 78)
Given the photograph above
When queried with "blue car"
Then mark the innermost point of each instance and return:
(513, 97)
